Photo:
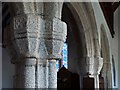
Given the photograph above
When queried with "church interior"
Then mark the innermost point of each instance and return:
(60, 45)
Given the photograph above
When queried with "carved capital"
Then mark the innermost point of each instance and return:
(25, 31)
(91, 65)
(55, 36)
(34, 36)
(87, 65)
(52, 10)
(21, 8)
(98, 64)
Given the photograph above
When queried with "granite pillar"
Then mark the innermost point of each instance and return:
(37, 36)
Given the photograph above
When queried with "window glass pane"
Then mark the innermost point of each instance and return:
(64, 57)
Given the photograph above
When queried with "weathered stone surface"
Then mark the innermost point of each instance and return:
(98, 64)
(52, 74)
(37, 38)
(26, 31)
(55, 36)
(25, 74)
(52, 9)
(27, 7)
(87, 65)
(91, 65)
(42, 74)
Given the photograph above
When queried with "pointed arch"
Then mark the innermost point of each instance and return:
(105, 53)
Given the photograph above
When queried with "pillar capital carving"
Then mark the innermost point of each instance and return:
(91, 65)
(98, 64)
(35, 35)
(36, 38)
(47, 10)
(24, 36)
(87, 65)
(54, 37)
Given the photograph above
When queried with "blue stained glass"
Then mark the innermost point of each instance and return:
(57, 65)
(64, 57)
(65, 54)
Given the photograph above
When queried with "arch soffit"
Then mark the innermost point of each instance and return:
(85, 14)
(104, 42)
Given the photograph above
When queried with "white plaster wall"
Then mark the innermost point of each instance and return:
(0, 46)
(115, 45)
(118, 19)
(0, 68)
(113, 42)
(7, 70)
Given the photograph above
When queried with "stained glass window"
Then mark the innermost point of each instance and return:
(65, 54)
(64, 57)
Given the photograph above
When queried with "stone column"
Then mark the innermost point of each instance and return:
(91, 67)
(36, 41)
(98, 64)
(52, 78)
(86, 68)
(52, 39)
(25, 74)
(42, 74)
(106, 74)
(54, 36)
(23, 43)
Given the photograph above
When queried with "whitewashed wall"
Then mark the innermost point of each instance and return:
(118, 11)
(113, 42)
(0, 46)
(115, 45)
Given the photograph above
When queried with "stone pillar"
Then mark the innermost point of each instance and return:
(86, 68)
(98, 64)
(91, 67)
(25, 41)
(24, 44)
(52, 78)
(42, 74)
(25, 74)
(54, 36)
(106, 74)
(37, 36)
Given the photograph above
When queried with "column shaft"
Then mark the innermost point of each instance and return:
(96, 80)
(42, 74)
(52, 74)
(25, 74)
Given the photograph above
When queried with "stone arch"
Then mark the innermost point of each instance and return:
(89, 54)
(84, 15)
(105, 53)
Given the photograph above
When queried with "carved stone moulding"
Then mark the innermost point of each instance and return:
(25, 35)
(91, 65)
(98, 64)
(53, 38)
(87, 65)
(33, 37)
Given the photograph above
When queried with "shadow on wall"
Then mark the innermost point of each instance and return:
(7, 70)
